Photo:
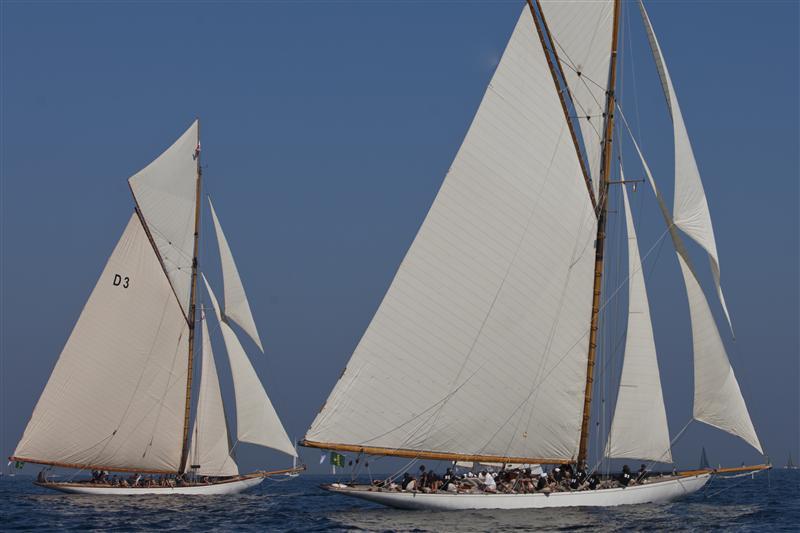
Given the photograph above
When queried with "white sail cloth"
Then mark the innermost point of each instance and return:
(210, 448)
(496, 288)
(237, 307)
(256, 419)
(166, 194)
(582, 31)
(718, 399)
(639, 429)
(690, 211)
(117, 394)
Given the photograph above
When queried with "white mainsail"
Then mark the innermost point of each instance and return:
(210, 448)
(166, 194)
(639, 429)
(256, 419)
(690, 211)
(718, 399)
(117, 394)
(237, 307)
(479, 345)
(582, 32)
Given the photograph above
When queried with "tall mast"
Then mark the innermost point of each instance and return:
(192, 304)
(602, 202)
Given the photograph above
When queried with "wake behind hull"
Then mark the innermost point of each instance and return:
(656, 492)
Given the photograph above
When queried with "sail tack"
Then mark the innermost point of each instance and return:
(116, 396)
(256, 419)
(582, 31)
(690, 212)
(237, 307)
(639, 429)
(210, 448)
(166, 194)
(479, 346)
(718, 399)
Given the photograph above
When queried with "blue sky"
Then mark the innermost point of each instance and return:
(327, 128)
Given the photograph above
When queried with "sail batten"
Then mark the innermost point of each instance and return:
(639, 429)
(256, 419)
(479, 345)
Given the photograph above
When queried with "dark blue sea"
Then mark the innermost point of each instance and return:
(766, 503)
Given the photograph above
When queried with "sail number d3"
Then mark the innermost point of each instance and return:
(120, 280)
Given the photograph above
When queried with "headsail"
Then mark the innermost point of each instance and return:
(210, 449)
(115, 399)
(256, 419)
(166, 194)
(479, 346)
(718, 400)
(690, 212)
(237, 307)
(582, 31)
(639, 429)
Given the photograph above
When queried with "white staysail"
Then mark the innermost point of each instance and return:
(718, 399)
(166, 194)
(582, 32)
(117, 394)
(256, 419)
(237, 307)
(210, 449)
(479, 345)
(690, 212)
(639, 429)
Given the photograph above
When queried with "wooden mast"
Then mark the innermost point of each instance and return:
(608, 135)
(192, 303)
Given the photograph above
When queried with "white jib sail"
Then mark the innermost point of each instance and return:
(479, 345)
(639, 429)
(582, 31)
(256, 419)
(718, 399)
(166, 193)
(237, 307)
(210, 449)
(117, 394)
(690, 212)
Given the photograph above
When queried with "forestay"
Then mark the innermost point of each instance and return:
(690, 212)
(582, 32)
(639, 429)
(237, 307)
(256, 419)
(479, 345)
(210, 448)
(116, 396)
(166, 194)
(718, 399)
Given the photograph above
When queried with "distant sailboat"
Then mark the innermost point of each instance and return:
(790, 464)
(483, 348)
(120, 396)
(704, 461)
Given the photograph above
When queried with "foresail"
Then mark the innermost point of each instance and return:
(479, 346)
(718, 399)
(690, 212)
(639, 429)
(166, 194)
(256, 419)
(237, 307)
(582, 31)
(116, 396)
(209, 454)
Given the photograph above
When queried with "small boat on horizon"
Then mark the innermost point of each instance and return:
(120, 396)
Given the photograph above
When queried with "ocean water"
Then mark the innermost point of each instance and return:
(766, 503)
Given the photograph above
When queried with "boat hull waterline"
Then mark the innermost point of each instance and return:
(657, 492)
(226, 487)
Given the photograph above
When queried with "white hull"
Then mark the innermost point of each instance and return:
(226, 487)
(656, 492)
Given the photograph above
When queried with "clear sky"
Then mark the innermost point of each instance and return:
(327, 128)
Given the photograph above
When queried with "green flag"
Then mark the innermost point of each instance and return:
(337, 459)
